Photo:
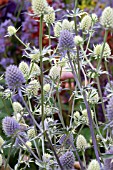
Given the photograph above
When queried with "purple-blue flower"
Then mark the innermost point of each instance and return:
(66, 41)
(67, 160)
(66, 139)
(14, 77)
(10, 125)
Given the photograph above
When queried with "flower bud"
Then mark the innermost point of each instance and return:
(11, 30)
(94, 165)
(81, 142)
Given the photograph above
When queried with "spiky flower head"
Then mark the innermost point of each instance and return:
(78, 40)
(1, 141)
(94, 165)
(11, 30)
(108, 162)
(17, 107)
(81, 142)
(35, 57)
(66, 139)
(92, 96)
(33, 87)
(106, 19)
(55, 72)
(94, 17)
(97, 50)
(108, 88)
(67, 160)
(50, 16)
(35, 70)
(10, 125)
(47, 87)
(23, 66)
(0, 160)
(66, 25)
(57, 29)
(76, 115)
(85, 116)
(14, 77)
(86, 23)
(31, 133)
(29, 144)
(66, 40)
(107, 50)
(109, 109)
(39, 7)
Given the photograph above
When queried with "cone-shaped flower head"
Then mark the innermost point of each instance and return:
(109, 109)
(67, 139)
(107, 50)
(94, 165)
(50, 16)
(11, 30)
(66, 40)
(107, 18)
(78, 40)
(23, 66)
(57, 29)
(39, 7)
(97, 50)
(108, 162)
(10, 125)
(14, 77)
(66, 25)
(17, 107)
(67, 160)
(31, 133)
(33, 88)
(81, 142)
(86, 23)
(55, 72)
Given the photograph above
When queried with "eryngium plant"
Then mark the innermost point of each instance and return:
(43, 129)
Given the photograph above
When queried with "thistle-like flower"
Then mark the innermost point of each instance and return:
(94, 18)
(57, 29)
(47, 87)
(50, 16)
(55, 72)
(97, 50)
(33, 88)
(107, 18)
(108, 162)
(66, 41)
(31, 133)
(66, 139)
(23, 66)
(81, 142)
(109, 109)
(1, 141)
(14, 77)
(39, 7)
(11, 30)
(86, 23)
(66, 25)
(94, 165)
(78, 40)
(17, 107)
(107, 50)
(85, 116)
(10, 125)
(67, 160)
(0, 160)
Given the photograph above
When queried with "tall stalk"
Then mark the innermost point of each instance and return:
(88, 109)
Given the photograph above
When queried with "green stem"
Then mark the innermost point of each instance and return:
(108, 77)
(49, 29)
(84, 159)
(20, 40)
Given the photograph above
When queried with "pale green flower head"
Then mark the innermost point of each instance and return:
(11, 30)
